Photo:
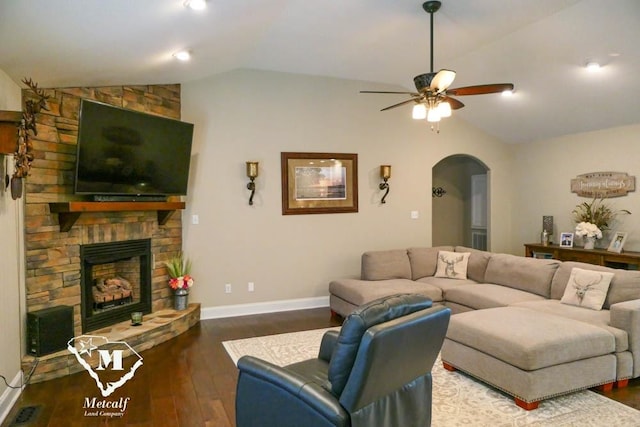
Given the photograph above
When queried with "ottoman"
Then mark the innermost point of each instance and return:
(528, 354)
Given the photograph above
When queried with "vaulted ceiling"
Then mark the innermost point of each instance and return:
(541, 46)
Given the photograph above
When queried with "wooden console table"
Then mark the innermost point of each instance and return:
(625, 260)
(69, 212)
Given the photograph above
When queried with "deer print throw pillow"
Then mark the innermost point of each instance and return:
(587, 288)
(452, 265)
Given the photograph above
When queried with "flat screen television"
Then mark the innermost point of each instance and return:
(130, 154)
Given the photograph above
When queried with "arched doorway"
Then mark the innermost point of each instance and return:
(460, 205)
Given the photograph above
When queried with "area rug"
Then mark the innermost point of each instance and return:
(459, 400)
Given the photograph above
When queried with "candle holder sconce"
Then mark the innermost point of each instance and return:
(385, 174)
(252, 173)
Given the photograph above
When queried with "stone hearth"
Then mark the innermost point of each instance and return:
(156, 328)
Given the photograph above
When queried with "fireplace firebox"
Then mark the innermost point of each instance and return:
(115, 281)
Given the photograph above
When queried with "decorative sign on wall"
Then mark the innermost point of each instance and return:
(603, 184)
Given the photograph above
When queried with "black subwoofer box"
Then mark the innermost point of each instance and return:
(49, 330)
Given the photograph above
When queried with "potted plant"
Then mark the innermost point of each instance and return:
(179, 269)
(593, 218)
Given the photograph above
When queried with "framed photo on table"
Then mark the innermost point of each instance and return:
(315, 183)
(618, 241)
(566, 240)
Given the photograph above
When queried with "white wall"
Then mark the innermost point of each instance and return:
(256, 115)
(11, 261)
(545, 169)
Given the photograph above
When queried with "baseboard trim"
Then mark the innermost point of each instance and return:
(10, 396)
(263, 307)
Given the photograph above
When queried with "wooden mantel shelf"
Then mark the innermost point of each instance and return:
(69, 212)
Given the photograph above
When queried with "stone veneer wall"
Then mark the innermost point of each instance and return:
(53, 257)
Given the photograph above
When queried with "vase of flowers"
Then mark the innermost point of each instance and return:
(179, 269)
(592, 219)
(589, 232)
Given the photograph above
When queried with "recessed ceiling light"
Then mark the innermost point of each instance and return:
(196, 4)
(592, 66)
(183, 55)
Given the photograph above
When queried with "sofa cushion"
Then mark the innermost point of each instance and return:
(477, 265)
(506, 334)
(355, 325)
(424, 260)
(359, 292)
(487, 295)
(587, 288)
(445, 284)
(624, 284)
(600, 318)
(382, 265)
(527, 274)
(452, 265)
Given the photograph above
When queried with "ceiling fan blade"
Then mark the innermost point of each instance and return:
(380, 91)
(442, 80)
(454, 103)
(480, 89)
(401, 103)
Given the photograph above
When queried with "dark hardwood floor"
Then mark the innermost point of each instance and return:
(188, 381)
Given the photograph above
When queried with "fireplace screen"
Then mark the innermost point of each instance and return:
(116, 281)
(114, 285)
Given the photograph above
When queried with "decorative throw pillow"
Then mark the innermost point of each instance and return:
(587, 288)
(452, 265)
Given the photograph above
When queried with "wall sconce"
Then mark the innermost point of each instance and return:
(252, 173)
(437, 192)
(385, 174)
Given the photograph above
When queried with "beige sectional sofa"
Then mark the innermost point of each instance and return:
(512, 326)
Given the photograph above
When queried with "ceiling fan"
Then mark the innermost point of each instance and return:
(433, 98)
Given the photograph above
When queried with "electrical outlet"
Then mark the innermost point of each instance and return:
(415, 214)
(195, 219)
(250, 287)
(227, 288)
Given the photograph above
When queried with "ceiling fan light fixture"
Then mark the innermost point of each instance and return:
(433, 115)
(419, 112)
(444, 109)
(442, 80)
(433, 99)
(507, 93)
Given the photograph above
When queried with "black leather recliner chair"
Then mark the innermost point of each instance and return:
(376, 372)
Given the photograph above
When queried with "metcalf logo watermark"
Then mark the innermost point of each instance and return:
(111, 364)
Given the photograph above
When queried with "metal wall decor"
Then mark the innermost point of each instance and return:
(437, 192)
(24, 154)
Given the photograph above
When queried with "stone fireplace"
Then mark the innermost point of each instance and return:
(57, 236)
(115, 281)
(54, 269)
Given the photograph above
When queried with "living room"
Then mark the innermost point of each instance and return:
(253, 115)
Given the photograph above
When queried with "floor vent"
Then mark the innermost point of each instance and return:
(26, 415)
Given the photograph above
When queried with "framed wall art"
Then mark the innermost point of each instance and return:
(617, 242)
(316, 183)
